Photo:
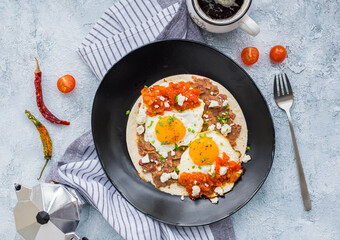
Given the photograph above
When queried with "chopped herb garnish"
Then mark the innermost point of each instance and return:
(157, 131)
(203, 159)
(213, 174)
(179, 110)
(227, 107)
(155, 112)
(193, 131)
(145, 86)
(127, 112)
(223, 119)
(195, 124)
(203, 135)
(199, 167)
(176, 147)
(150, 124)
(221, 144)
(248, 148)
(209, 163)
(163, 160)
(183, 148)
(171, 119)
(176, 169)
(193, 167)
(197, 141)
(189, 129)
(160, 124)
(205, 123)
(159, 117)
(189, 144)
(176, 99)
(177, 86)
(139, 140)
(162, 166)
(161, 157)
(165, 143)
(153, 142)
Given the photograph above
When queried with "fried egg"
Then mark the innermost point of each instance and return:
(203, 152)
(172, 128)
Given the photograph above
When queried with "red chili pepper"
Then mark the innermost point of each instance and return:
(42, 108)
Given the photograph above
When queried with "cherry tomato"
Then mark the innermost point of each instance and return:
(66, 83)
(277, 54)
(250, 55)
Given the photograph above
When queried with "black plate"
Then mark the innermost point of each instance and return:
(120, 89)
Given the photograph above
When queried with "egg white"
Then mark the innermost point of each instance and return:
(191, 118)
(186, 163)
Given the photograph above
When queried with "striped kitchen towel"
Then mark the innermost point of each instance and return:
(123, 27)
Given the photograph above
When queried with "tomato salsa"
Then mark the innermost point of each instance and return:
(206, 182)
(161, 98)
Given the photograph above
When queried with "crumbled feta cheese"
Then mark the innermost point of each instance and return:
(156, 106)
(156, 161)
(162, 98)
(219, 191)
(159, 168)
(213, 104)
(218, 125)
(225, 103)
(181, 99)
(225, 129)
(140, 129)
(205, 115)
(211, 127)
(182, 198)
(195, 191)
(174, 175)
(211, 93)
(172, 153)
(223, 113)
(240, 171)
(212, 169)
(165, 177)
(141, 118)
(246, 158)
(166, 104)
(164, 154)
(206, 184)
(214, 200)
(223, 170)
(195, 182)
(146, 159)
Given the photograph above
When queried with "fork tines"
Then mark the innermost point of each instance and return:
(284, 85)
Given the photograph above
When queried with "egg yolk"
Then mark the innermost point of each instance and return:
(203, 151)
(169, 130)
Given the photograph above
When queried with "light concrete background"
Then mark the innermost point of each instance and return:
(52, 30)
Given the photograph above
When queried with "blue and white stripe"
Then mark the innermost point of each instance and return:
(88, 177)
(125, 26)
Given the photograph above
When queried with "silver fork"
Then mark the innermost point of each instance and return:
(284, 99)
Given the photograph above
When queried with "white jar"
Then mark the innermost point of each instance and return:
(240, 19)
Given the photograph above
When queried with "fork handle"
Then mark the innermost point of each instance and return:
(302, 180)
